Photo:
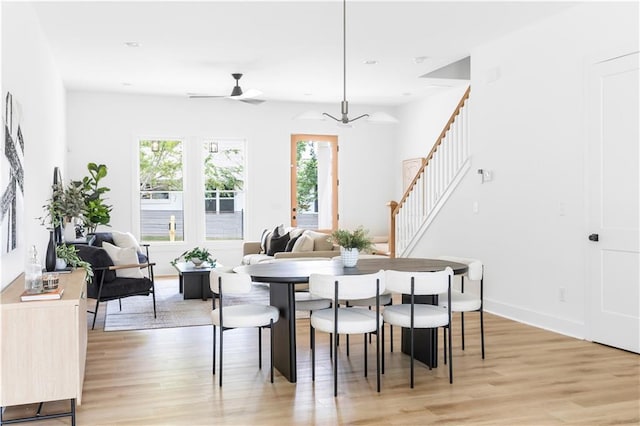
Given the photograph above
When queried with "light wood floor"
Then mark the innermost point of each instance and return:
(530, 376)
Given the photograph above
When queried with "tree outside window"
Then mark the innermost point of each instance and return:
(161, 190)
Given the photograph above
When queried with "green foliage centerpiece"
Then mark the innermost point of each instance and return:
(197, 256)
(69, 254)
(351, 243)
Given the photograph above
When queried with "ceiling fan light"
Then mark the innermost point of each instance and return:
(237, 91)
(381, 117)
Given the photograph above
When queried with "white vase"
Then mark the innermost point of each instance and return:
(196, 262)
(60, 264)
(69, 231)
(349, 257)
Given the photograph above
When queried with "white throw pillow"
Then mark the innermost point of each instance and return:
(123, 256)
(294, 232)
(304, 243)
(125, 239)
(320, 240)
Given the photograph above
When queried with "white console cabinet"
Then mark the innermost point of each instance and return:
(44, 344)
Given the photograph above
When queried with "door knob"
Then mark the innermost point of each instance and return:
(594, 237)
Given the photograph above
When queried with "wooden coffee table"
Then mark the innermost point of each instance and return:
(194, 281)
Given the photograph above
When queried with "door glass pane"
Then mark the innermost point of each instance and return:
(314, 185)
(161, 190)
(224, 194)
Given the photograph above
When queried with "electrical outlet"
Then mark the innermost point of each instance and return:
(562, 294)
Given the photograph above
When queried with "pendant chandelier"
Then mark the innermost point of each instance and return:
(377, 117)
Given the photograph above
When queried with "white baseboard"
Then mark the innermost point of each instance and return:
(536, 319)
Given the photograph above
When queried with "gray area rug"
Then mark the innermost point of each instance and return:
(172, 310)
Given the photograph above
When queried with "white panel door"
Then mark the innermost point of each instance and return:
(613, 269)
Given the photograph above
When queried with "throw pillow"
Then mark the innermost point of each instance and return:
(123, 256)
(125, 239)
(266, 234)
(278, 244)
(320, 241)
(304, 243)
(295, 232)
(291, 243)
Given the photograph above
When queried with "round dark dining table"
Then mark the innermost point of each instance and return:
(284, 275)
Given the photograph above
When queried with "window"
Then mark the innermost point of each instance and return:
(161, 190)
(223, 189)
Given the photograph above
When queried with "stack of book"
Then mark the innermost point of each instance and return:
(26, 296)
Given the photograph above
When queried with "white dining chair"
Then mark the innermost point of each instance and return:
(466, 301)
(416, 315)
(342, 320)
(244, 315)
(385, 300)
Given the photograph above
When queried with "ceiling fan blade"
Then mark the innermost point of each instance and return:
(252, 101)
(196, 96)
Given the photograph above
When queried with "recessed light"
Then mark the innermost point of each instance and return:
(132, 44)
(126, 84)
(370, 62)
(406, 94)
(308, 94)
(420, 59)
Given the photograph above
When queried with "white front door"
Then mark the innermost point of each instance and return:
(613, 261)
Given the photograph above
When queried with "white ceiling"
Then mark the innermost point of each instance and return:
(289, 50)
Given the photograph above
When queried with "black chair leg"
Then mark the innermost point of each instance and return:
(482, 331)
(444, 343)
(335, 366)
(347, 345)
(153, 294)
(95, 314)
(462, 328)
(260, 348)
(411, 360)
(271, 347)
(378, 357)
(365, 353)
(214, 351)
(120, 304)
(221, 353)
(382, 348)
(450, 359)
(313, 353)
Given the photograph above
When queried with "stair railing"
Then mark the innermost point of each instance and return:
(441, 170)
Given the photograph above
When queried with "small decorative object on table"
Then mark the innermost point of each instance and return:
(197, 256)
(351, 243)
(50, 281)
(45, 295)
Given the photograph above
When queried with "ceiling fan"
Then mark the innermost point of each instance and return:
(236, 94)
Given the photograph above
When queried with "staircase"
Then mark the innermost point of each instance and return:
(440, 173)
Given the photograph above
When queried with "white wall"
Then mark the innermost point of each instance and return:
(29, 73)
(104, 128)
(528, 127)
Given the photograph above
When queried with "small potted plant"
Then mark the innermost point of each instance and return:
(197, 256)
(67, 255)
(351, 243)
